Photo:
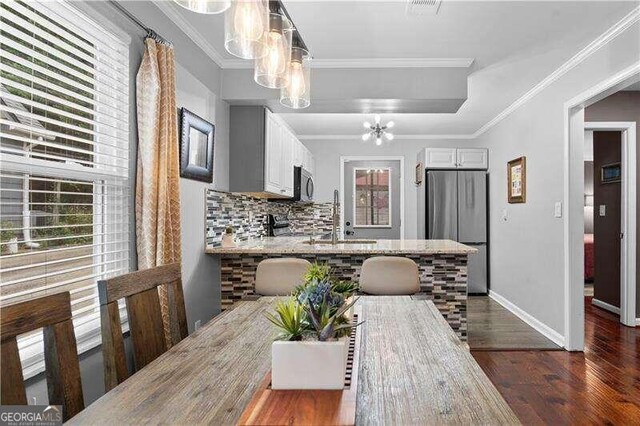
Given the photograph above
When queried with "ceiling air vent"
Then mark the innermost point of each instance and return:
(423, 7)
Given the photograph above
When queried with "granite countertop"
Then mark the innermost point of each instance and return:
(283, 245)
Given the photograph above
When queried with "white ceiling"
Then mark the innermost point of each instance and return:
(515, 44)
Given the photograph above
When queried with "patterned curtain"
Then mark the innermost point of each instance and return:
(157, 179)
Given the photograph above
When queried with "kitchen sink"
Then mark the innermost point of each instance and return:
(313, 242)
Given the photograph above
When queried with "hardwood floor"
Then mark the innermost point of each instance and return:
(601, 385)
(493, 327)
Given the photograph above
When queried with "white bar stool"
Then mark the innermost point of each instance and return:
(388, 275)
(280, 276)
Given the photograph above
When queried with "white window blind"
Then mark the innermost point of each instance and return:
(64, 162)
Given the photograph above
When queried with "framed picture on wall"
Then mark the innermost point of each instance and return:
(196, 147)
(611, 173)
(517, 180)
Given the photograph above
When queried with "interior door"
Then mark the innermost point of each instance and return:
(372, 199)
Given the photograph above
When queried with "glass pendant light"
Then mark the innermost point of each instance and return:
(296, 94)
(205, 6)
(272, 63)
(244, 25)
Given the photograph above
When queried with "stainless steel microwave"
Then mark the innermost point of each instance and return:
(302, 185)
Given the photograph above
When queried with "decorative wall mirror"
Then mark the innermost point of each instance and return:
(196, 147)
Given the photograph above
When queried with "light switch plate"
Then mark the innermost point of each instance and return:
(602, 210)
(557, 212)
(504, 217)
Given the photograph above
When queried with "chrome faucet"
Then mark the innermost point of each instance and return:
(335, 218)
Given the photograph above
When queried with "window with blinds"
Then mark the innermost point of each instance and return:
(64, 162)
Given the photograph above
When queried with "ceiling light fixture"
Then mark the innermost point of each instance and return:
(272, 63)
(296, 94)
(205, 6)
(377, 130)
(244, 26)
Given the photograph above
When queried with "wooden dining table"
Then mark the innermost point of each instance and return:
(413, 370)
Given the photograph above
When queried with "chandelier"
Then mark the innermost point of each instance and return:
(262, 31)
(377, 130)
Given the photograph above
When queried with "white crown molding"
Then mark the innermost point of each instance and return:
(617, 29)
(371, 63)
(397, 137)
(171, 11)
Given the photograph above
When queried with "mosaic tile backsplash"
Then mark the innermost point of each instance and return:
(249, 216)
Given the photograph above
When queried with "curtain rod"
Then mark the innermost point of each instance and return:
(150, 33)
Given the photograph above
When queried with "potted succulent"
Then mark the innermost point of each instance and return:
(312, 346)
(228, 238)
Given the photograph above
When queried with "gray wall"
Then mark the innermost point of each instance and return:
(621, 106)
(198, 82)
(327, 155)
(532, 236)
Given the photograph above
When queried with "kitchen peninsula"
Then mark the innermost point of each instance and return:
(442, 266)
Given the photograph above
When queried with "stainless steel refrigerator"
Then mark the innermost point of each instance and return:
(457, 210)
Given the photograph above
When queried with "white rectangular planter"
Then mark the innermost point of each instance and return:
(309, 364)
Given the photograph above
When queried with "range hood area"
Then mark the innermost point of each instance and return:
(263, 153)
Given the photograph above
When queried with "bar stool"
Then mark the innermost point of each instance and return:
(387, 275)
(279, 277)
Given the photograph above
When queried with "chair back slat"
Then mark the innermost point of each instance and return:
(115, 362)
(145, 316)
(53, 315)
(119, 287)
(146, 326)
(33, 314)
(13, 390)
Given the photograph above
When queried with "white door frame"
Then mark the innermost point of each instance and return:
(574, 129)
(627, 217)
(347, 158)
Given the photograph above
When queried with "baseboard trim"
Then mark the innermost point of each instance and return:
(605, 306)
(539, 326)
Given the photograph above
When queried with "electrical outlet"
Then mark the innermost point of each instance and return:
(197, 325)
(504, 217)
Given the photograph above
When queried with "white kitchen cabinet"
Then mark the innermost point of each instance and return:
(273, 155)
(289, 142)
(263, 153)
(472, 158)
(456, 158)
(440, 158)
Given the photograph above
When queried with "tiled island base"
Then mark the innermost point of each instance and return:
(443, 279)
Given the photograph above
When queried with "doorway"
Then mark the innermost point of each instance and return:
(372, 197)
(574, 200)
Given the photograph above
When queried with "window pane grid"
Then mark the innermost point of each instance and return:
(372, 197)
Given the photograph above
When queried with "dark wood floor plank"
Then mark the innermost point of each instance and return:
(601, 385)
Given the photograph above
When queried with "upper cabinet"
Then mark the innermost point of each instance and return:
(456, 158)
(263, 152)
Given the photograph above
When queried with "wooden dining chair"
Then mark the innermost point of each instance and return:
(53, 315)
(144, 314)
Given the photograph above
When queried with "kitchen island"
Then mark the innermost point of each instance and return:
(442, 265)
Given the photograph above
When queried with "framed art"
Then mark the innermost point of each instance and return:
(419, 173)
(517, 180)
(611, 173)
(196, 147)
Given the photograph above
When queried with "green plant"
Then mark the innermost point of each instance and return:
(317, 272)
(345, 288)
(290, 317)
(7, 232)
(328, 325)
